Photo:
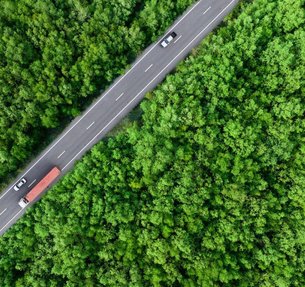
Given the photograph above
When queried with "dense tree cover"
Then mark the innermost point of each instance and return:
(206, 190)
(56, 55)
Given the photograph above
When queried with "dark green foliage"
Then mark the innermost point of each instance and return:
(55, 55)
(208, 190)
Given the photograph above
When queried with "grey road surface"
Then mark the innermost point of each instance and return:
(117, 101)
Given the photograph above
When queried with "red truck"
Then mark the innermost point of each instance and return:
(40, 187)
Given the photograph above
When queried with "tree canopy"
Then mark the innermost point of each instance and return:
(56, 56)
(206, 189)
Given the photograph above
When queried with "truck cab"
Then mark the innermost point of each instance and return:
(23, 202)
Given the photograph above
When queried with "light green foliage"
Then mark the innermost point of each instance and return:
(207, 190)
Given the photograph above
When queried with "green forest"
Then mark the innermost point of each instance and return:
(205, 189)
(56, 57)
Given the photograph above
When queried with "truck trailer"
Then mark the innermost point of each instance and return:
(40, 187)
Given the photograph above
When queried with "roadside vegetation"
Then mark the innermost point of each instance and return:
(206, 189)
(55, 57)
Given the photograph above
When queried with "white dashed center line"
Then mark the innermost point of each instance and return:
(133, 99)
(61, 154)
(32, 183)
(119, 96)
(90, 126)
(206, 10)
(148, 68)
(178, 39)
(101, 98)
(3, 211)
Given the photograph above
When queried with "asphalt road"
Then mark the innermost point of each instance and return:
(117, 101)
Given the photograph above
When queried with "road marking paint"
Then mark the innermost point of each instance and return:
(149, 68)
(3, 211)
(119, 96)
(178, 39)
(90, 126)
(149, 83)
(106, 93)
(61, 154)
(10, 220)
(206, 10)
(32, 182)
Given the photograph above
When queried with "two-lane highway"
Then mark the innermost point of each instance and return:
(116, 102)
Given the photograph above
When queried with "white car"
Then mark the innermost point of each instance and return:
(170, 37)
(19, 184)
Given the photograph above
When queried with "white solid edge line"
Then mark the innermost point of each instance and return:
(178, 39)
(107, 92)
(147, 85)
(10, 220)
(206, 10)
(119, 97)
(32, 182)
(90, 126)
(61, 154)
(149, 68)
(3, 211)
